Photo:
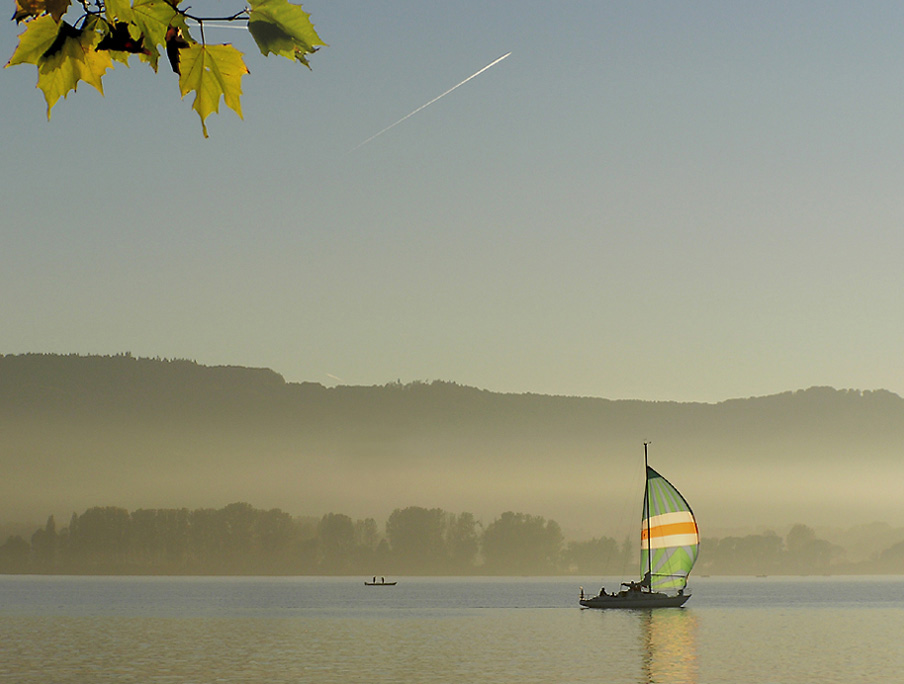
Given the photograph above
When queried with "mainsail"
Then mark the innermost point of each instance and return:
(669, 532)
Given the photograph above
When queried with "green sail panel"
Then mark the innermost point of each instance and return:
(669, 532)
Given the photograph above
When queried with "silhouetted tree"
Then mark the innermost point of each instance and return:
(14, 555)
(891, 560)
(754, 554)
(806, 553)
(382, 555)
(240, 543)
(336, 533)
(417, 538)
(159, 539)
(517, 543)
(367, 538)
(462, 542)
(366, 533)
(206, 536)
(175, 528)
(100, 539)
(276, 533)
(147, 539)
(44, 546)
(594, 557)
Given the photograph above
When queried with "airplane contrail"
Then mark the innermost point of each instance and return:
(423, 106)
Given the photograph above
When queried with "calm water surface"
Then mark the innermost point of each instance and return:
(500, 630)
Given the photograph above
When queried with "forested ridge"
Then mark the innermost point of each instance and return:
(120, 385)
(81, 430)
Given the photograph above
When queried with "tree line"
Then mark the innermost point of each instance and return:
(240, 539)
(800, 552)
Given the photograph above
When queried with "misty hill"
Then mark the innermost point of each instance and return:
(81, 431)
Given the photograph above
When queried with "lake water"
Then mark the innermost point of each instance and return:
(57, 630)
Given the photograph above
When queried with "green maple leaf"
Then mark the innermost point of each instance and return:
(212, 71)
(39, 35)
(118, 9)
(153, 18)
(60, 70)
(283, 29)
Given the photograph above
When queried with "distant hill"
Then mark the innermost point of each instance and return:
(78, 431)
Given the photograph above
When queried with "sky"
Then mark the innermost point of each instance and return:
(665, 201)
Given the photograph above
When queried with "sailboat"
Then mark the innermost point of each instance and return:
(669, 543)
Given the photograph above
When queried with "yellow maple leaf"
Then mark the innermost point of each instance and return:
(212, 71)
(34, 8)
(75, 60)
(38, 37)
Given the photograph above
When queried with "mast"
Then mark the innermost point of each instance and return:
(646, 505)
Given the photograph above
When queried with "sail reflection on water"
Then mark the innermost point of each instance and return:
(669, 646)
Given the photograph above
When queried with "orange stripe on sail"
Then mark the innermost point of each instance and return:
(667, 530)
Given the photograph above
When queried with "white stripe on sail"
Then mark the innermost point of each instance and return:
(671, 518)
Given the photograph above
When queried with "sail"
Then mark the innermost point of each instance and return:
(669, 532)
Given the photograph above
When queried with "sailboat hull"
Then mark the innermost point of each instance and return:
(636, 600)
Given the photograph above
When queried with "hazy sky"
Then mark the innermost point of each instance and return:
(689, 201)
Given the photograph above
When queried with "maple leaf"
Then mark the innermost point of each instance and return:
(118, 9)
(38, 37)
(153, 18)
(212, 71)
(283, 29)
(34, 8)
(70, 59)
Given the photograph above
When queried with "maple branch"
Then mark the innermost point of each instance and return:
(87, 6)
(66, 54)
(235, 17)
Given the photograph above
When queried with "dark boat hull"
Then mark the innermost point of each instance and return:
(379, 584)
(636, 600)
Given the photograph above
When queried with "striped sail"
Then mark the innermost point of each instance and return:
(669, 532)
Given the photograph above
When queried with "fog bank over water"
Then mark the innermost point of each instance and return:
(142, 433)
